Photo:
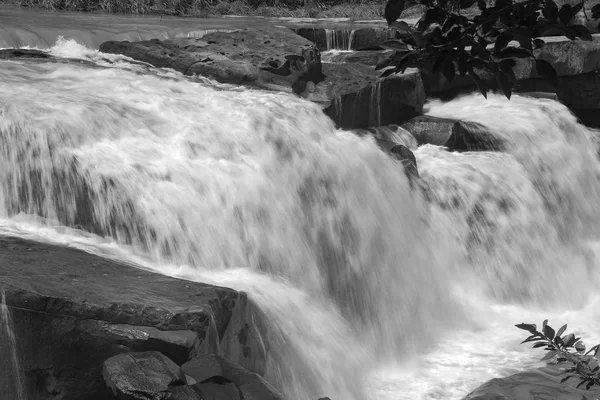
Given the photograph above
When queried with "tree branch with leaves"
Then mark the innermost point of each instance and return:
(452, 44)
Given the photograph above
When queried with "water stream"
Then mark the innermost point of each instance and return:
(371, 290)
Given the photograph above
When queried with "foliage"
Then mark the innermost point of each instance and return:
(585, 366)
(488, 43)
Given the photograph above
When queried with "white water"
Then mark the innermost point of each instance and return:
(371, 290)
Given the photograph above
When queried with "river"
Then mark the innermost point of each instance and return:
(372, 290)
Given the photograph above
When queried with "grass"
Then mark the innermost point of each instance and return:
(354, 9)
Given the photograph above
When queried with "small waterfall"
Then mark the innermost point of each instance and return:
(375, 104)
(8, 343)
(339, 39)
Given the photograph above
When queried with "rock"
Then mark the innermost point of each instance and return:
(390, 133)
(212, 391)
(203, 367)
(371, 38)
(354, 96)
(453, 134)
(369, 57)
(142, 376)
(80, 303)
(255, 391)
(408, 160)
(183, 392)
(540, 384)
(6, 54)
(271, 58)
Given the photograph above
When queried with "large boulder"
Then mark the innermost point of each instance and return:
(80, 303)
(540, 384)
(454, 134)
(354, 96)
(272, 58)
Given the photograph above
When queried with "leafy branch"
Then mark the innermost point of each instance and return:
(489, 43)
(585, 366)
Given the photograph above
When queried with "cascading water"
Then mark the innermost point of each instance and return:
(11, 367)
(371, 290)
(339, 39)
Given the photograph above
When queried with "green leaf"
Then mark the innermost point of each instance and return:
(539, 344)
(513, 52)
(548, 331)
(561, 330)
(547, 72)
(569, 340)
(563, 380)
(502, 41)
(483, 89)
(477, 50)
(583, 380)
(504, 84)
(550, 11)
(549, 355)
(528, 327)
(567, 12)
(447, 68)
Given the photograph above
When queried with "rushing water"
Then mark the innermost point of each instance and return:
(371, 290)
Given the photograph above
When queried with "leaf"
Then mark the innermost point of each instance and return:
(565, 378)
(531, 338)
(395, 44)
(544, 324)
(567, 12)
(447, 68)
(583, 380)
(589, 385)
(558, 340)
(561, 330)
(538, 43)
(550, 11)
(502, 41)
(547, 72)
(539, 344)
(569, 340)
(549, 355)
(388, 72)
(528, 327)
(483, 89)
(596, 9)
(477, 50)
(401, 26)
(548, 331)
(481, 4)
(466, 3)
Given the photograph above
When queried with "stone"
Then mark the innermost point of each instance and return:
(367, 38)
(212, 391)
(354, 96)
(454, 134)
(142, 376)
(540, 384)
(6, 54)
(80, 303)
(269, 58)
(369, 57)
(255, 391)
(203, 367)
(392, 133)
(183, 392)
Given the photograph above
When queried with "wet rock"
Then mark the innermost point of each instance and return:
(372, 57)
(271, 58)
(7, 54)
(212, 391)
(454, 134)
(368, 38)
(142, 376)
(540, 384)
(183, 392)
(207, 365)
(80, 303)
(354, 96)
(255, 391)
(390, 133)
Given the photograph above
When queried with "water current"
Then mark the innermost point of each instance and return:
(371, 289)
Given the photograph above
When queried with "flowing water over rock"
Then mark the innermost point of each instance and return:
(371, 290)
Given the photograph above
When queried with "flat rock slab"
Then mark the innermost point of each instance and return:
(272, 58)
(65, 303)
(541, 384)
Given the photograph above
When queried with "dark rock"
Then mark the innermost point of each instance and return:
(393, 133)
(453, 134)
(369, 57)
(371, 38)
(184, 392)
(271, 58)
(256, 391)
(368, 38)
(354, 96)
(80, 303)
(211, 391)
(540, 384)
(408, 160)
(142, 376)
(7, 54)
(203, 367)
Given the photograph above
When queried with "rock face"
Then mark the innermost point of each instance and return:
(354, 96)
(368, 38)
(453, 134)
(541, 384)
(273, 58)
(65, 303)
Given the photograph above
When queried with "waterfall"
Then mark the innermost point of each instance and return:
(371, 289)
(339, 39)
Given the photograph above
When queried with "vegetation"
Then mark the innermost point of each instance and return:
(584, 366)
(486, 44)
